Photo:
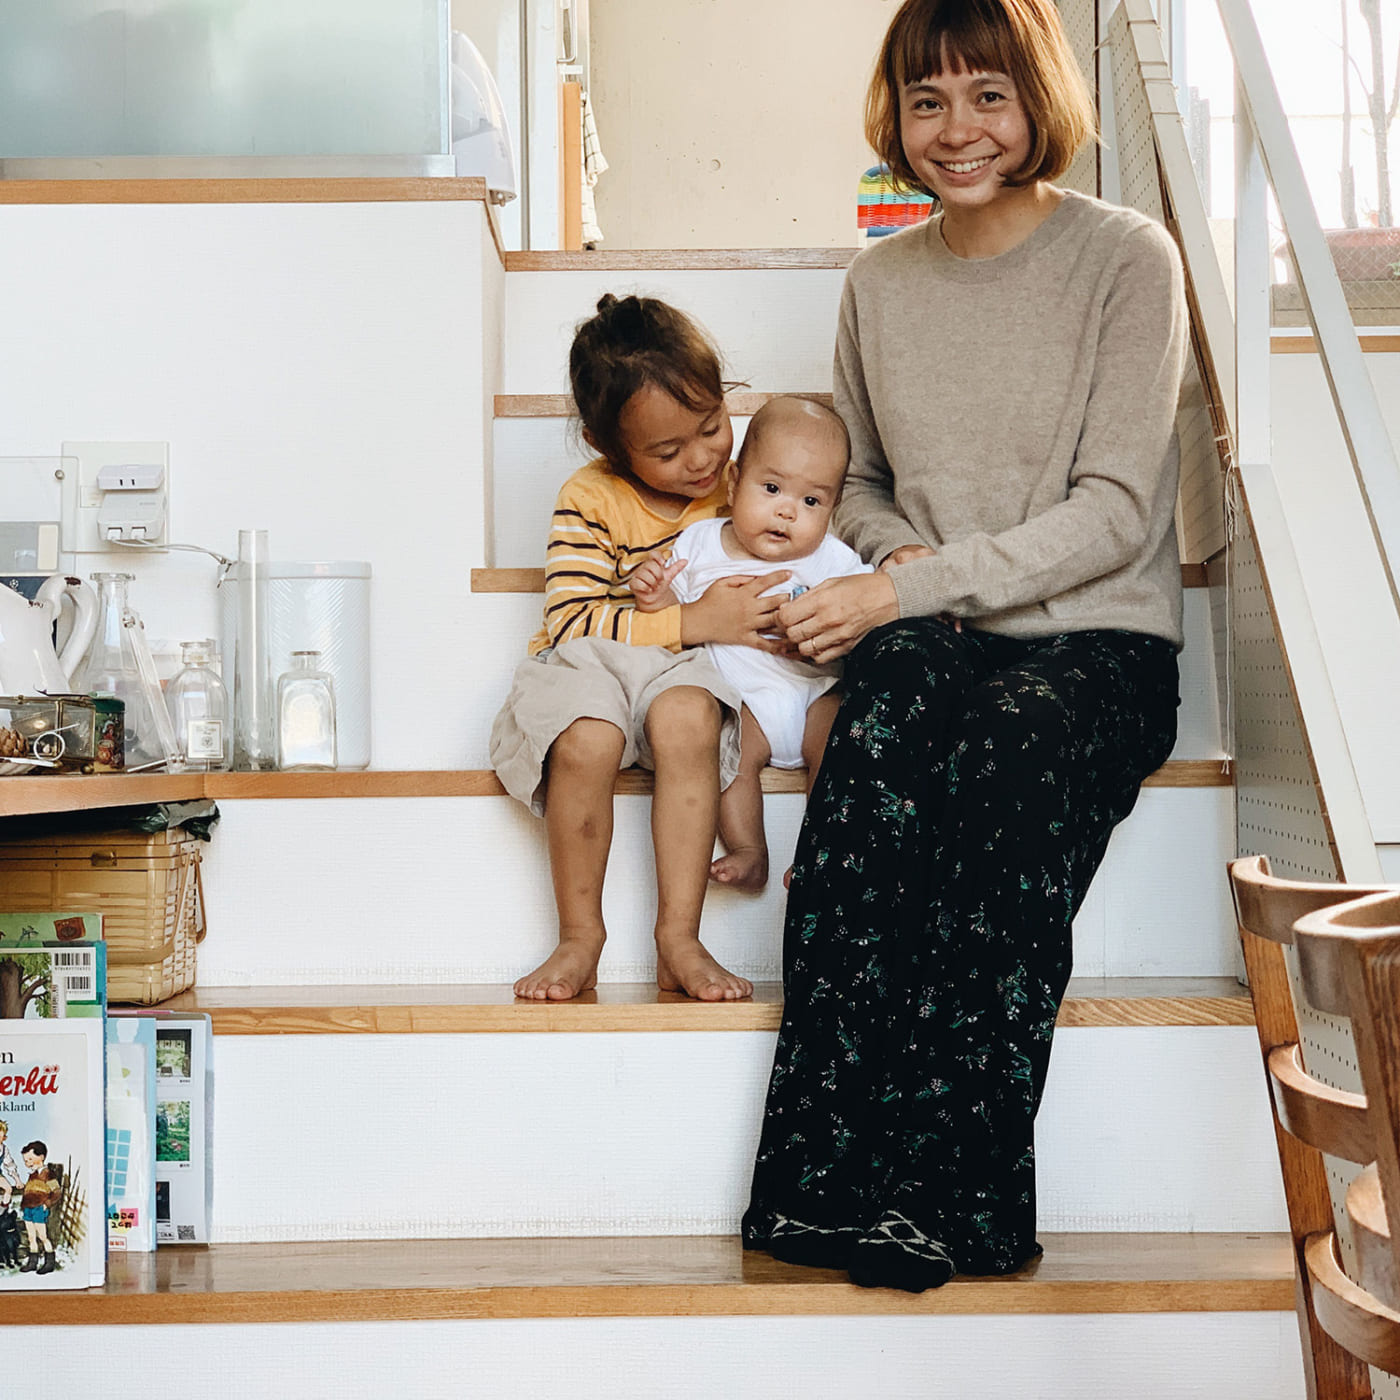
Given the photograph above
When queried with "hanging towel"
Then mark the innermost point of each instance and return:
(594, 163)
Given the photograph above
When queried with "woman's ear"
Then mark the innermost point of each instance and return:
(590, 440)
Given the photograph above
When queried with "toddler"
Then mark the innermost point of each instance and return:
(606, 684)
(788, 480)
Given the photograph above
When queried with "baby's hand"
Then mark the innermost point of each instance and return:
(651, 583)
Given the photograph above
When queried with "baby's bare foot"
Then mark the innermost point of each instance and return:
(570, 969)
(744, 868)
(787, 878)
(686, 966)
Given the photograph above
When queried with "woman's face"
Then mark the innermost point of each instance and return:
(963, 134)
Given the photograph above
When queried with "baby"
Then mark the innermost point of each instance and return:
(787, 481)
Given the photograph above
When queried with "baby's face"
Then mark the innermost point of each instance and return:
(783, 498)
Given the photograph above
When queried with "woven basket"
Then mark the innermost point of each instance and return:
(146, 887)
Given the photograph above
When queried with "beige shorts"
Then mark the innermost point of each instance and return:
(589, 678)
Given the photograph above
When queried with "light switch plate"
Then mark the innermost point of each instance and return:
(81, 535)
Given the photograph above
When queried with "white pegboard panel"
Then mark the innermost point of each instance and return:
(1276, 797)
(1201, 517)
(1081, 22)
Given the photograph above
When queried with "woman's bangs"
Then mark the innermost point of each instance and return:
(950, 37)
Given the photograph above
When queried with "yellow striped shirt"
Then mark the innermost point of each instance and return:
(602, 530)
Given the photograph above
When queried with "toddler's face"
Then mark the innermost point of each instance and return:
(784, 496)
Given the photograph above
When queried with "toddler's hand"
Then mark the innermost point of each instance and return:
(731, 610)
(651, 583)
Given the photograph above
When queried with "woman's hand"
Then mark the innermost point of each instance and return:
(730, 610)
(905, 553)
(828, 620)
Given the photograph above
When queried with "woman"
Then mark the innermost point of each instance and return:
(1009, 374)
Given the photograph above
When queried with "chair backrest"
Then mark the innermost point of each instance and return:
(1306, 1111)
(1351, 954)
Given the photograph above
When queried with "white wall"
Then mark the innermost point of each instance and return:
(317, 369)
(732, 124)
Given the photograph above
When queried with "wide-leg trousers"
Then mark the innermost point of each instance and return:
(967, 795)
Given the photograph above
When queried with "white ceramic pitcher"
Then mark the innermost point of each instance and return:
(28, 663)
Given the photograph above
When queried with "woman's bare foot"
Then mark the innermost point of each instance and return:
(687, 967)
(787, 878)
(570, 969)
(744, 868)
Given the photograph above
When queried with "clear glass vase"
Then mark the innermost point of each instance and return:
(112, 667)
(254, 728)
(199, 708)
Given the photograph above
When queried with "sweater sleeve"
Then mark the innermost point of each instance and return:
(584, 569)
(867, 517)
(1119, 464)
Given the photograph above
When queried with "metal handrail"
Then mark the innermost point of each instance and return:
(1358, 410)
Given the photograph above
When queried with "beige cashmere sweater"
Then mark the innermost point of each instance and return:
(1016, 414)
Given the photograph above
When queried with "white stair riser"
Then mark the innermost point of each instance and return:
(546, 1134)
(1183, 1356)
(775, 329)
(499, 625)
(457, 889)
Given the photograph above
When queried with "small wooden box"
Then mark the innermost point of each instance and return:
(146, 887)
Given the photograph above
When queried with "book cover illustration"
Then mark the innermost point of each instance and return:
(52, 966)
(52, 1220)
(131, 1133)
(184, 1120)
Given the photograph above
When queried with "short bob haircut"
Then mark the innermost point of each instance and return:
(1022, 38)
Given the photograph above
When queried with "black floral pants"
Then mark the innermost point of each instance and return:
(968, 793)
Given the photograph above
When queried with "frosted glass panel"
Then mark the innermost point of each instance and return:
(84, 78)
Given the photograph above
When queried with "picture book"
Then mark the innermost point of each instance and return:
(184, 1124)
(131, 1132)
(52, 966)
(53, 1230)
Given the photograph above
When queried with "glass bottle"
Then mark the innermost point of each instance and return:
(199, 708)
(305, 715)
(254, 724)
(112, 668)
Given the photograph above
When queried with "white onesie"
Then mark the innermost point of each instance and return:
(778, 689)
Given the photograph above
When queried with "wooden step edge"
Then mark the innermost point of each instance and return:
(632, 1007)
(683, 260)
(400, 1280)
(1307, 344)
(741, 403)
(532, 580)
(27, 796)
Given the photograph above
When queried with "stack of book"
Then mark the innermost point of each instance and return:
(104, 1119)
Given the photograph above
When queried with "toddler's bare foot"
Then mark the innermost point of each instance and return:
(570, 969)
(787, 878)
(744, 868)
(687, 967)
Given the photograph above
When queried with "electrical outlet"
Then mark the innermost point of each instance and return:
(81, 533)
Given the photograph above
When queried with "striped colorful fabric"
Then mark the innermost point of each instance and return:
(881, 209)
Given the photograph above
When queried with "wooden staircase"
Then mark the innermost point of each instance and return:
(543, 1199)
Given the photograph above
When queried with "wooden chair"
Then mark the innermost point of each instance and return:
(1349, 965)
(1305, 1110)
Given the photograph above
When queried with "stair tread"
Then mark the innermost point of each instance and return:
(681, 260)
(639, 1006)
(385, 1280)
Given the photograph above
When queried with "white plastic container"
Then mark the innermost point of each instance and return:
(319, 605)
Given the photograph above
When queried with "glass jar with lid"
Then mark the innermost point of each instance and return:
(199, 708)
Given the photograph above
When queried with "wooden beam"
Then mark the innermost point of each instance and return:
(295, 190)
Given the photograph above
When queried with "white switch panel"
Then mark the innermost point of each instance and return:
(81, 534)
